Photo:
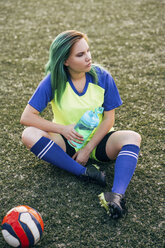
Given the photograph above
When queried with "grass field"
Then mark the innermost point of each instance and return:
(127, 37)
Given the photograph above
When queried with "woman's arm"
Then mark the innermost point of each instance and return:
(31, 117)
(107, 123)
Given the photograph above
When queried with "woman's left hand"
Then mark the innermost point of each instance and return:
(81, 156)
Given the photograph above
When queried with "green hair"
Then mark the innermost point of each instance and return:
(58, 54)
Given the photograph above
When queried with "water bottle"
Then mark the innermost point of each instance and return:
(88, 122)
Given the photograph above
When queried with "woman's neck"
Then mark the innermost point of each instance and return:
(76, 76)
(78, 80)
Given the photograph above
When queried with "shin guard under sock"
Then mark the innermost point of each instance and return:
(50, 152)
(124, 168)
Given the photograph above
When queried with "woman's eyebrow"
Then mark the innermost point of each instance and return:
(80, 52)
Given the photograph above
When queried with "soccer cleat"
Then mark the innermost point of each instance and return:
(93, 173)
(113, 203)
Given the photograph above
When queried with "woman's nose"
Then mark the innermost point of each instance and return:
(88, 56)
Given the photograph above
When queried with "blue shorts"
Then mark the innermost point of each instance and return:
(99, 153)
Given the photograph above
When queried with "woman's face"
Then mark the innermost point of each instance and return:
(79, 59)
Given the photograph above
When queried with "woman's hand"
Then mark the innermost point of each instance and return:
(82, 156)
(71, 135)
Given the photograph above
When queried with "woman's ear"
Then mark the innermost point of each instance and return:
(66, 63)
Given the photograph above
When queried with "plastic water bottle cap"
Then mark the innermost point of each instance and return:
(99, 110)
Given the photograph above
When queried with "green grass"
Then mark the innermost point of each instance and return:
(127, 37)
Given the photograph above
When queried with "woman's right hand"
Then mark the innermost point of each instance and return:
(71, 135)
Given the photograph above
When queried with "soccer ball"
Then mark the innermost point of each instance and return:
(22, 226)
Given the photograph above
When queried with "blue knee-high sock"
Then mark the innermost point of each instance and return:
(47, 150)
(124, 167)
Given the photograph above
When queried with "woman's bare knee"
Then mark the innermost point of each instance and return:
(119, 139)
(126, 137)
(136, 138)
(31, 135)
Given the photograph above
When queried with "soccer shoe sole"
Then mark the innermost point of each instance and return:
(112, 208)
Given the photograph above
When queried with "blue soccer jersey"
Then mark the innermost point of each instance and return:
(74, 104)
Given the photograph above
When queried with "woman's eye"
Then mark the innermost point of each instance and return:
(79, 54)
(82, 53)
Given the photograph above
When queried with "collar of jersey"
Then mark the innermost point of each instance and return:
(85, 88)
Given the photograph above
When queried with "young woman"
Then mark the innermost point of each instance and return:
(74, 85)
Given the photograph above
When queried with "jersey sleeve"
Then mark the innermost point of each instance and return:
(112, 98)
(42, 95)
